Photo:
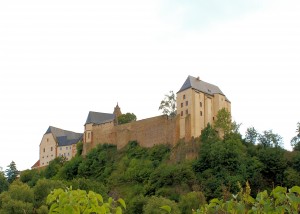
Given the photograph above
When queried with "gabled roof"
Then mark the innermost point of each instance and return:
(99, 118)
(36, 165)
(64, 137)
(196, 83)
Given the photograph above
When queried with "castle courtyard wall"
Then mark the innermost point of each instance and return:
(147, 132)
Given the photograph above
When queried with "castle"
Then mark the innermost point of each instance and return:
(198, 103)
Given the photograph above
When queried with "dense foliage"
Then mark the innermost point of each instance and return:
(145, 177)
(126, 118)
(280, 200)
(79, 201)
(168, 105)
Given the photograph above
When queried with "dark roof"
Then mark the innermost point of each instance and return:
(64, 137)
(99, 118)
(196, 83)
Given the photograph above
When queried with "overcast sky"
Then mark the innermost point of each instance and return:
(61, 59)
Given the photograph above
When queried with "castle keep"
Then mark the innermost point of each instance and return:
(198, 103)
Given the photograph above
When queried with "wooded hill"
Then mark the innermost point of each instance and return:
(147, 178)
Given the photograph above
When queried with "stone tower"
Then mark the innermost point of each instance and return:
(198, 103)
(117, 113)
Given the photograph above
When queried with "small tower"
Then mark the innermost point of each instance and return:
(117, 113)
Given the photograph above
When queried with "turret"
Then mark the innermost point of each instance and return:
(117, 113)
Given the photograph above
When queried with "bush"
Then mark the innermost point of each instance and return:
(154, 203)
(191, 201)
(30, 177)
(43, 188)
(18, 199)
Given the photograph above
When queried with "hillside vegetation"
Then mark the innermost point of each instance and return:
(148, 178)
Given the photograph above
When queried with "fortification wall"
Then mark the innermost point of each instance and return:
(147, 132)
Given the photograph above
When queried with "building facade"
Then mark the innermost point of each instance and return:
(57, 142)
(198, 103)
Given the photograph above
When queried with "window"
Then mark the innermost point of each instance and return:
(184, 96)
(68, 154)
(186, 112)
(200, 113)
(51, 148)
(88, 135)
(186, 103)
(70, 147)
(66, 148)
(213, 118)
(181, 105)
(44, 150)
(181, 113)
(47, 140)
(200, 104)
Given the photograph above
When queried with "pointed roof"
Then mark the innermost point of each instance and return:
(64, 137)
(99, 118)
(36, 165)
(196, 83)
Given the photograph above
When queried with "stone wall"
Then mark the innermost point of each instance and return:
(147, 132)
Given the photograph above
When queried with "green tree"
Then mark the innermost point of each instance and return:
(3, 182)
(291, 177)
(69, 170)
(191, 201)
(221, 164)
(270, 139)
(126, 118)
(30, 177)
(54, 166)
(43, 187)
(79, 147)
(89, 184)
(79, 201)
(18, 199)
(154, 203)
(168, 105)
(223, 122)
(295, 142)
(209, 135)
(98, 163)
(274, 165)
(11, 172)
(251, 135)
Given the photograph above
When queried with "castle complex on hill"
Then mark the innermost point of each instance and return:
(198, 103)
